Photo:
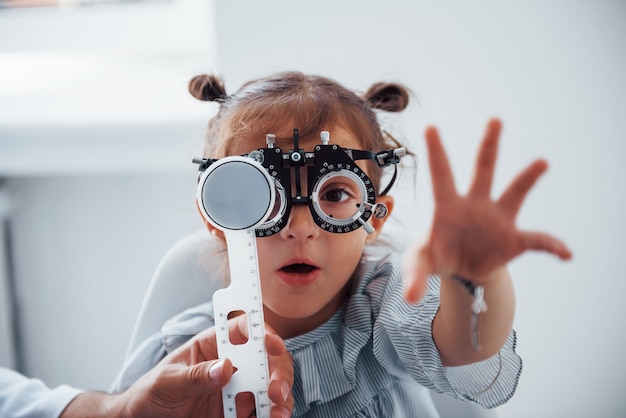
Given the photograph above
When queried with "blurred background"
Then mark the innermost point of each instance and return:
(97, 133)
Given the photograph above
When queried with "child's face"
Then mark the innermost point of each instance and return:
(304, 269)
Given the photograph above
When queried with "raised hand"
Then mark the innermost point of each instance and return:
(474, 235)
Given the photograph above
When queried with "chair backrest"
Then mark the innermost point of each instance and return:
(181, 280)
(189, 274)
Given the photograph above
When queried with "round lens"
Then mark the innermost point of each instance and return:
(236, 193)
(338, 197)
(278, 208)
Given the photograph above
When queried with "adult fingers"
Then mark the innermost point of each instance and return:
(486, 160)
(280, 393)
(280, 412)
(238, 329)
(201, 347)
(204, 378)
(238, 334)
(281, 383)
(273, 343)
(246, 405)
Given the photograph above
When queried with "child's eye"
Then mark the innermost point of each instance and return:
(339, 199)
(336, 195)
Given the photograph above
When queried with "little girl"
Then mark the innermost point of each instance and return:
(370, 334)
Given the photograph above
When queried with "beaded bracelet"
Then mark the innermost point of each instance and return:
(478, 306)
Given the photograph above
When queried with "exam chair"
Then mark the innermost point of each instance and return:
(185, 277)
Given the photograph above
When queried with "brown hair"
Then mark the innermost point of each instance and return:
(310, 103)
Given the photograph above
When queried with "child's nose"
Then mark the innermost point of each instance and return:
(300, 224)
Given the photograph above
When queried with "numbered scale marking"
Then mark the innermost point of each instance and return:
(243, 294)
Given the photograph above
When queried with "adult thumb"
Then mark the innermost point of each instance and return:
(207, 377)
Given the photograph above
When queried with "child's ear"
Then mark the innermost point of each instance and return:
(212, 229)
(378, 223)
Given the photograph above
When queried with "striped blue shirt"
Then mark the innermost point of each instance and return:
(374, 358)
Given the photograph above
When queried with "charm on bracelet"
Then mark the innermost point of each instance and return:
(478, 306)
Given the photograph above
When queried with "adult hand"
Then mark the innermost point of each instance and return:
(188, 383)
(474, 235)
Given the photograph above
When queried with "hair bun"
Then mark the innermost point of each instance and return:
(208, 88)
(390, 97)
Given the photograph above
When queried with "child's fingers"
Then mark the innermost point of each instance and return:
(440, 172)
(514, 195)
(486, 160)
(539, 241)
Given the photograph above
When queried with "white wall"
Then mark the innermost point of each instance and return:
(97, 133)
(553, 71)
(84, 249)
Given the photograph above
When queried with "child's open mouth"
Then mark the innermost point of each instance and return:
(299, 268)
(298, 274)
